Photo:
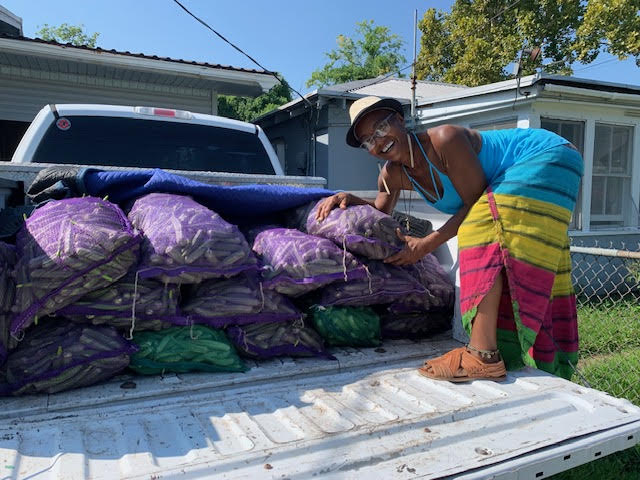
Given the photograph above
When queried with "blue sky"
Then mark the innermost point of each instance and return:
(288, 36)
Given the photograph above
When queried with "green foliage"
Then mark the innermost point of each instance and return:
(248, 109)
(612, 26)
(623, 465)
(65, 33)
(608, 328)
(633, 267)
(473, 43)
(375, 51)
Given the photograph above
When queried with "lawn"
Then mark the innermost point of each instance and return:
(610, 361)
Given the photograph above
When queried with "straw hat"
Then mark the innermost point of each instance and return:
(362, 106)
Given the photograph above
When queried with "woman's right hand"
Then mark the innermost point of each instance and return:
(342, 200)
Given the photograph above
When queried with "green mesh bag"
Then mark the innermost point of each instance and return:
(185, 349)
(347, 326)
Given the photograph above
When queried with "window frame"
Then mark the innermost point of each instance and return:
(621, 217)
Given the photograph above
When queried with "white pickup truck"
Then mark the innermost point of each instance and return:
(366, 415)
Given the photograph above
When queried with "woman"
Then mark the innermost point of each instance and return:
(511, 194)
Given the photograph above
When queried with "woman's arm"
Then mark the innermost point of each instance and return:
(460, 163)
(385, 200)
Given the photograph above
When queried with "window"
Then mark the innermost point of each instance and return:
(611, 203)
(574, 132)
(154, 144)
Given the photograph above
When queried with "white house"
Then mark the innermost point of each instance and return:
(35, 72)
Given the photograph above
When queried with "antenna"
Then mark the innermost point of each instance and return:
(413, 77)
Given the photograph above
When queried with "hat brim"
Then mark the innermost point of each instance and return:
(382, 104)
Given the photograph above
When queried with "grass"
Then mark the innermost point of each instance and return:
(608, 328)
(610, 361)
(623, 465)
(617, 373)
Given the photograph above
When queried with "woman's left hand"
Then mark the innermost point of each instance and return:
(415, 248)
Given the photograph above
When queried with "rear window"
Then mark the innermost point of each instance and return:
(152, 144)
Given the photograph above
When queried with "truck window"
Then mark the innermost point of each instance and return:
(117, 141)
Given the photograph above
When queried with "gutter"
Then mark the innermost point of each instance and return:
(58, 52)
(458, 111)
(558, 91)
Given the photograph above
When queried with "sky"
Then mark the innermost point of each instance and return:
(288, 36)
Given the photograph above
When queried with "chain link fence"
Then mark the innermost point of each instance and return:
(607, 286)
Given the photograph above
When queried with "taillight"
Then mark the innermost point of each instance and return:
(164, 112)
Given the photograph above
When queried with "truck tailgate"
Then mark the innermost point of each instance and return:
(368, 414)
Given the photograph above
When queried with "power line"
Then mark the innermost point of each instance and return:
(595, 64)
(240, 50)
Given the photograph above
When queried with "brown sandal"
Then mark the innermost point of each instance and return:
(461, 366)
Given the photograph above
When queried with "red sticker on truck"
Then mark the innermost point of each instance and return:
(63, 123)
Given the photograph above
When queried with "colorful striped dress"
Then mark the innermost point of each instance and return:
(520, 226)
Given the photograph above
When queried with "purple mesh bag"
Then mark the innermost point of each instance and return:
(361, 229)
(384, 284)
(134, 304)
(296, 263)
(440, 291)
(237, 301)
(66, 249)
(60, 356)
(414, 325)
(268, 340)
(185, 242)
(7, 294)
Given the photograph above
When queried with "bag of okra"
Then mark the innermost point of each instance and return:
(415, 325)
(185, 242)
(7, 293)
(268, 340)
(185, 349)
(66, 249)
(60, 355)
(347, 326)
(130, 303)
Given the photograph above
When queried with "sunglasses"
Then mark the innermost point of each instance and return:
(382, 129)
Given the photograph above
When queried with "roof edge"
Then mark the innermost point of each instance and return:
(102, 51)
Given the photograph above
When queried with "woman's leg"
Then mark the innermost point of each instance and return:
(484, 325)
(467, 363)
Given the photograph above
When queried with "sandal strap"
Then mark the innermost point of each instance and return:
(473, 367)
(448, 364)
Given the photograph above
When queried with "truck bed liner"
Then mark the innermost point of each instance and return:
(367, 414)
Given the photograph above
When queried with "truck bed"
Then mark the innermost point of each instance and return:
(367, 414)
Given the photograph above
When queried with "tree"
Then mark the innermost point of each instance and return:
(473, 43)
(375, 51)
(248, 109)
(612, 26)
(65, 33)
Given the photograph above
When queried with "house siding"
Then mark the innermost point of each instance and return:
(21, 99)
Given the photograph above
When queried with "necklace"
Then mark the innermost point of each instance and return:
(404, 192)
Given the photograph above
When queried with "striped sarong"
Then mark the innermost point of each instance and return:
(519, 226)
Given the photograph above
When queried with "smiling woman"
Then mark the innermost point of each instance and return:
(510, 194)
